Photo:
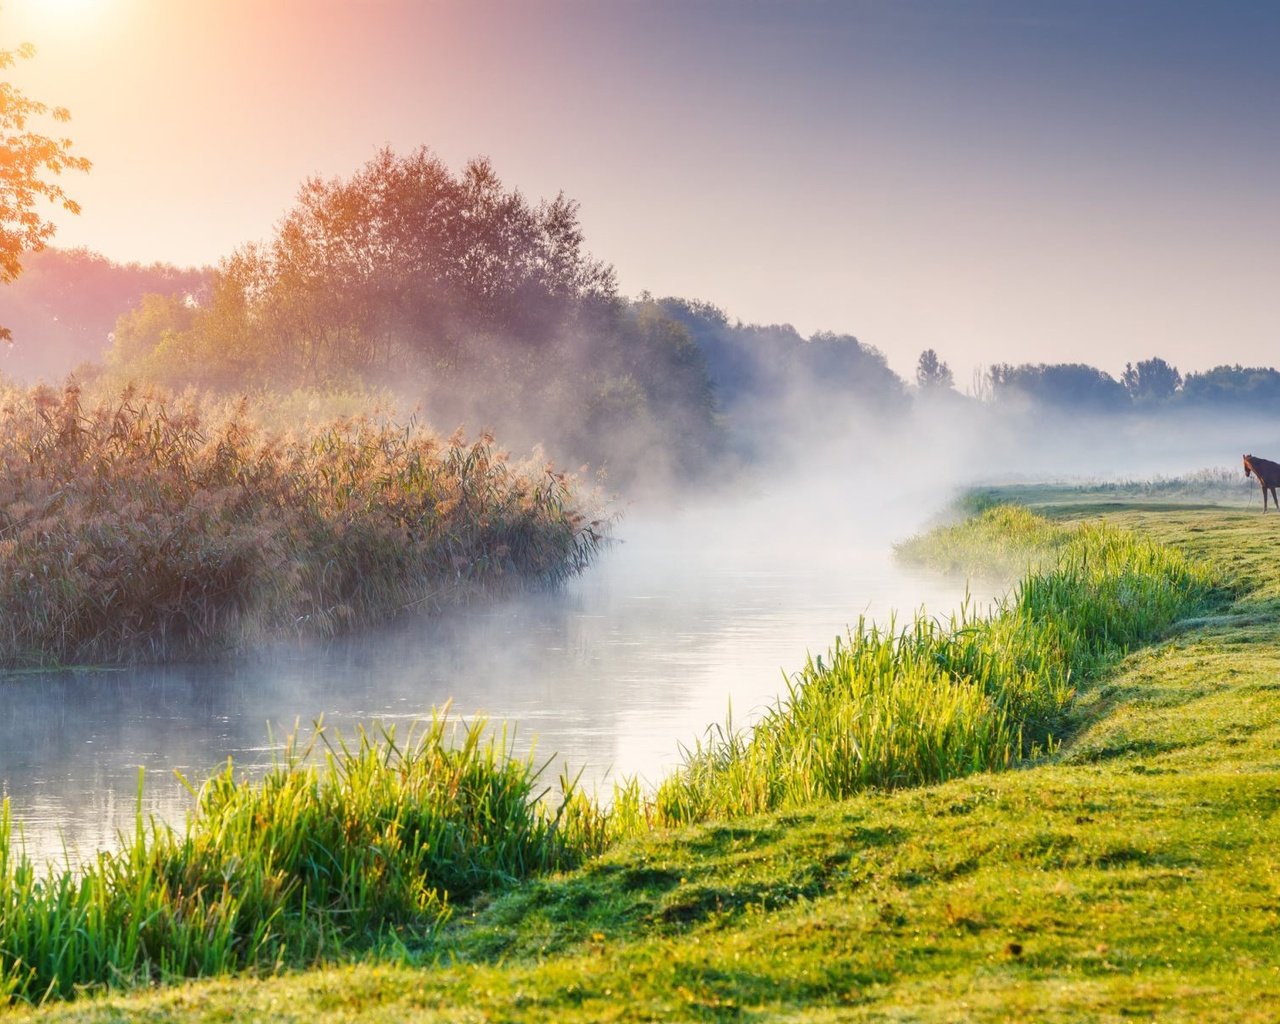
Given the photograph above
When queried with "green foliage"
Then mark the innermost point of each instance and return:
(315, 859)
(139, 528)
(65, 307)
(152, 330)
(937, 700)
(1000, 542)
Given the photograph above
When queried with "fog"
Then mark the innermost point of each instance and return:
(697, 607)
(707, 596)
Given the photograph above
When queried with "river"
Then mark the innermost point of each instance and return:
(687, 614)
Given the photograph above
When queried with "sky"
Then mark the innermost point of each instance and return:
(1020, 181)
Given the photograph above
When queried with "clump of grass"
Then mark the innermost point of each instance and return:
(319, 858)
(1000, 542)
(146, 529)
(939, 699)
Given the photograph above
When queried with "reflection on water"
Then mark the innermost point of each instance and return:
(610, 674)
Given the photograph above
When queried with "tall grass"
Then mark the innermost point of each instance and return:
(995, 542)
(145, 529)
(319, 858)
(345, 848)
(939, 699)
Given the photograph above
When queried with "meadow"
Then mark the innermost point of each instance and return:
(136, 526)
(813, 881)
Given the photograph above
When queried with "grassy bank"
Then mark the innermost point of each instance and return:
(357, 852)
(978, 691)
(363, 856)
(139, 528)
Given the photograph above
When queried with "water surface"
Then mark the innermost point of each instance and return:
(611, 674)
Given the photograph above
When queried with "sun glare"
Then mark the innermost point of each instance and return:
(61, 10)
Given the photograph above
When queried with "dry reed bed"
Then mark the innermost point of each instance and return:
(142, 528)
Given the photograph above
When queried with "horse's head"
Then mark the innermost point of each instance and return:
(1248, 466)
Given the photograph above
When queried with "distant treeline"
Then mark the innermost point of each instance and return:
(484, 308)
(65, 304)
(1146, 385)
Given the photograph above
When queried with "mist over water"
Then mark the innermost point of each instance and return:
(703, 603)
(692, 610)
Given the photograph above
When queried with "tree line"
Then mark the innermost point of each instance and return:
(1146, 386)
(487, 309)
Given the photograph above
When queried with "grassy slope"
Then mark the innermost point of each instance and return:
(1135, 875)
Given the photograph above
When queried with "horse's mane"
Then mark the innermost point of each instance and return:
(1257, 462)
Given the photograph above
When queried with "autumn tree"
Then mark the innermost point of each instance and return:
(30, 164)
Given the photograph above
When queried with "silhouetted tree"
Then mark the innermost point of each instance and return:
(1151, 381)
(30, 164)
(841, 365)
(1066, 385)
(1241, 387)
(932, 373)
(760, 368)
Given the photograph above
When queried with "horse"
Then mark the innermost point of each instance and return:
(1268, 474)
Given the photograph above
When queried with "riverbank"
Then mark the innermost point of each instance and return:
(1131, 871)
(137, 527)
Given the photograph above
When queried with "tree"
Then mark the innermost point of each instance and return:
(1152, 380)
(404, 262)
(1064, 385)
(1236, 386)
(932, 373)
(68, 300)
(154, 326)
(29, 166)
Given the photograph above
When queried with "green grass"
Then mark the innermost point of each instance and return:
(944, 698)
(361, 849)
(1132, 874)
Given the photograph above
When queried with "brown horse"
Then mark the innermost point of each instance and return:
(1268, 474)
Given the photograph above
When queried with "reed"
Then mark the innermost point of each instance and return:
(144, 528)
(890, 707)
(343, 849)
(327, 854)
